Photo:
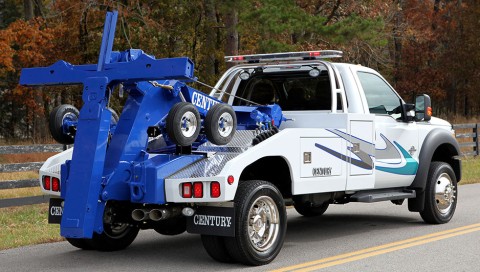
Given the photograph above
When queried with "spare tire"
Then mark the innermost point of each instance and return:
(183, 123)
(58, 117)
(220, 124)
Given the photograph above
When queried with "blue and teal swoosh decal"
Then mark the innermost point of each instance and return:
(365, 160)
(410, 168)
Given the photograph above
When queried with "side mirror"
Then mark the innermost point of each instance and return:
(423, 108)
(408, 112)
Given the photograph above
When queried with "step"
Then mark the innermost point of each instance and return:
(382, 195)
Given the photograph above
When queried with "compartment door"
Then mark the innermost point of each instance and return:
(362, 155)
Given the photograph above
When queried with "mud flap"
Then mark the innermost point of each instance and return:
(218, 221)
(55, 210)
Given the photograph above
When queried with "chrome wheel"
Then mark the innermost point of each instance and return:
(441, 194)
(263, 223)
(444, 193)
(225, 124)
(189, 124)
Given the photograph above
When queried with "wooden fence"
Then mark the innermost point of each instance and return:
(21, 167)
(467, 137)
(466, 134)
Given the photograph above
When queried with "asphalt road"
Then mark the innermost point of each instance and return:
(352, 237)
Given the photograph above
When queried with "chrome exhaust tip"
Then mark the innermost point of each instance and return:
(139, 215)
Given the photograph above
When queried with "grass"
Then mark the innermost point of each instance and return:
(31, 157)
(470, 171)
(19, 175)
(27, 225)
(20, 192)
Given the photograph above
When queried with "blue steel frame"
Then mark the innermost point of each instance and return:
(120, 168)
(100, 171)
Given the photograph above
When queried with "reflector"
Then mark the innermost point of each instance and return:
(230, 180)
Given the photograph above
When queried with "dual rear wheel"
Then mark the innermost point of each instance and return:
(260, 226)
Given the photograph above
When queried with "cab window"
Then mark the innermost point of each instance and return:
(291, 87)
(381, 99)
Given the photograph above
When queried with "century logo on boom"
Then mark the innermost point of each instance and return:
(202, 101)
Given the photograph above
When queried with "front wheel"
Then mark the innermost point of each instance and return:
(440, 194)
(260, 223)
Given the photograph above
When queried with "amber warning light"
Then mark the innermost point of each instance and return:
(429, 111)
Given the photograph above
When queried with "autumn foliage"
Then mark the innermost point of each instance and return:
(419, 46)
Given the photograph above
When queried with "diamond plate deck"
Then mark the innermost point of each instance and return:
(211, 166)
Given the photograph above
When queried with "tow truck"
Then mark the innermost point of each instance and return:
(276, 130)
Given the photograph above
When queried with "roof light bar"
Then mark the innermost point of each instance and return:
(305, 55)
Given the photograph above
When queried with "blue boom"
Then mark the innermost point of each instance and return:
(104, 169)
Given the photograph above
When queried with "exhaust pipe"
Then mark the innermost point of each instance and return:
(155, 214)
(158, 214)
(140, 214)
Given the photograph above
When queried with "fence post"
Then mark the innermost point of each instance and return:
(475, 131)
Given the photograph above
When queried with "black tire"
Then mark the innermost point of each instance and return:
(241, 248)
(55, 123)
(439, 208)
(172, 226)
(217, 115)
(114, 237)
(306, 208)
(183, 112)
(80, 243)
(215, 247)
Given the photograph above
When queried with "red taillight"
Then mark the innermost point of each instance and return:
(46, 183)
(198, 189)
(230, 180)
(214, 189)
(55, 184)
(186, 190)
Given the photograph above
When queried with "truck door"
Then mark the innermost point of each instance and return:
(396, 141)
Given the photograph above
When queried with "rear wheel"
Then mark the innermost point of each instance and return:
(116, 235)
(260, 223)
(309, 209)
(440, 194)
(215, 247)
(172, 226)
(80, 243)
